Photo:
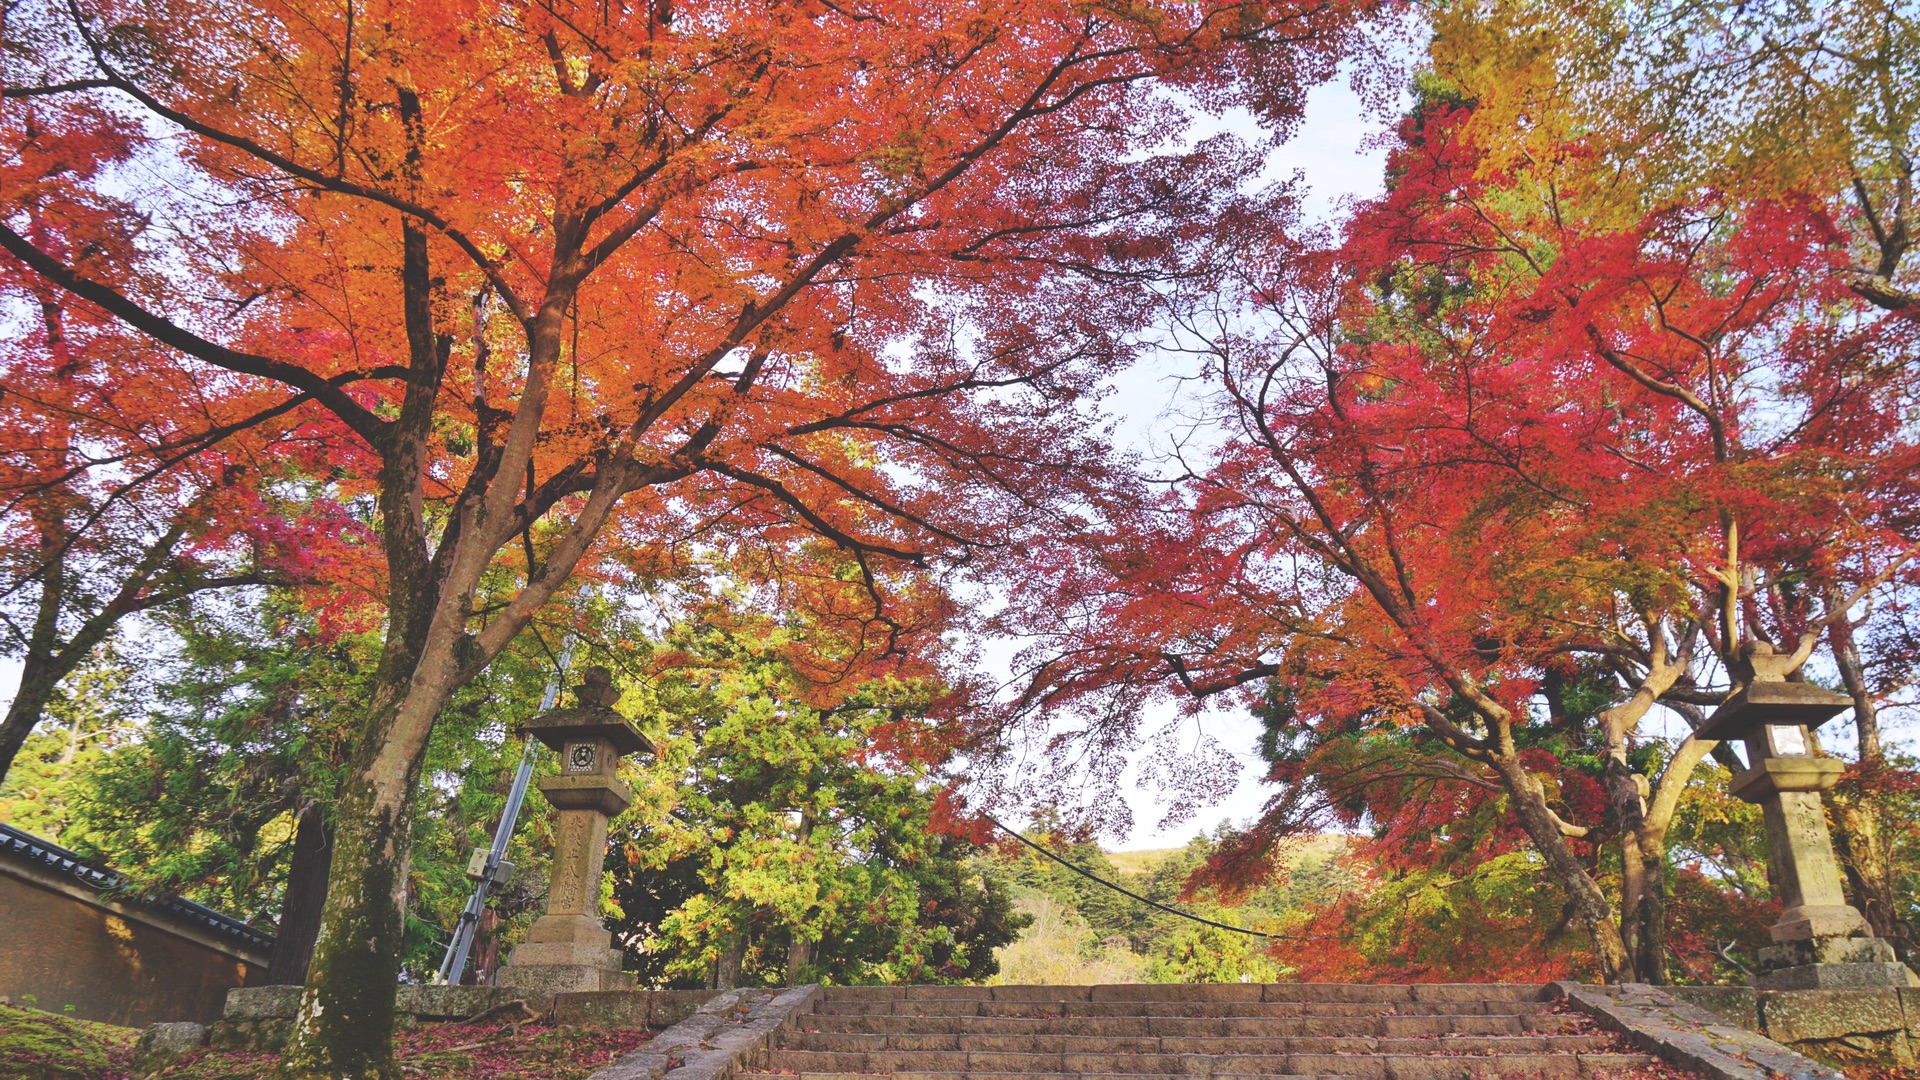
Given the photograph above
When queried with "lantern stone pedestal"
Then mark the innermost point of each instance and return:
(1821, 942)
(568, 949)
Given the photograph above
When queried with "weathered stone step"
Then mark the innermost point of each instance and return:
(1002, 1076)
(1317, 1066)
(958, 1007)
(862, 1043)
(1194, 1027)
(1374, 1066)
(1368, 993)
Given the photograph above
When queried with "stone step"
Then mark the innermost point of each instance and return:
(1317, 1066)
(1392, 1026)
(848, 1043)
(1376, 1066)
(1003, 1076)
(1369, 993)
(959, 1007)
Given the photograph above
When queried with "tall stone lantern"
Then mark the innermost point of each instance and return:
(567, 949)
(1821, 941)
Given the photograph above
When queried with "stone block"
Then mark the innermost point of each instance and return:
(1799, 1016)
(259, 1002)
(1042, 993)
(948, 993)
(1736, 1005)
(1475, 992)
(547, 953)
(163, 1044)
(668, 1007)
(1836, 977)
(562, 978)
(570, 929)
(1218, 992)
(1338, 993)
(264, 1035)
(448, 1002)
(605, 1008)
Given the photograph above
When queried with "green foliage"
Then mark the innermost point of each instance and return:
(769, 820)
(1086, 931)
(240, 732)
(84, 723)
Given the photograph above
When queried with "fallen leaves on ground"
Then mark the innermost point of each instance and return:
(500, 1051)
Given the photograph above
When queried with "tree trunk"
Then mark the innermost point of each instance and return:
(305, 898)
(726, 972)
(486, 947)
(1633, 887)
(799, 955)
(38, 679)
(1860, 841)
(345, 1025)
(1591, 906)
(1650, 910)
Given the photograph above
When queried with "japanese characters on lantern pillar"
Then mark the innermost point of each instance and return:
(1821, 941)
(568, 949)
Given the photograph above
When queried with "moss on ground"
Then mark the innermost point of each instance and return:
(37, 1045)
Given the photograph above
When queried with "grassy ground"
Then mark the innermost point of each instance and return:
(40, 1046)
(36, 1045)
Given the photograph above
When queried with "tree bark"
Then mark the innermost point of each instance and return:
(344, 1028)
(1590, 905)
(726, 971)
(305, 898)
(37, 683)
(1860, 841)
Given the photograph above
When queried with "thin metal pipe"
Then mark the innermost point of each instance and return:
(454, 966)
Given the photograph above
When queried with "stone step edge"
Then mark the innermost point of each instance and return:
(717, 1040)
(1416, 1065)
(1082, 1076)
(1689, 1036)
(1115, 993)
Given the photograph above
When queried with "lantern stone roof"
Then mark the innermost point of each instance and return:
(1763, 703)
(592, 716)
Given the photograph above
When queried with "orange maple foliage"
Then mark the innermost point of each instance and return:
(822, 287)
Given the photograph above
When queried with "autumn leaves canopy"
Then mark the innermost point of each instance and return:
(435, 311)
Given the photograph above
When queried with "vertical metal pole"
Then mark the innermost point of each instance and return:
(455, 965)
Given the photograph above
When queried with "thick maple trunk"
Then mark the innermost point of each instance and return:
(1590, 905)
(1642, 876)
(305, 899)
(345, 1025)
(1647, 913)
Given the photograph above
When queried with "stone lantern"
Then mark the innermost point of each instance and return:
(567, 949)
(1821, 941)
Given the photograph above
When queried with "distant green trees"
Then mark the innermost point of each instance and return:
(785, 833)
(1114, 938)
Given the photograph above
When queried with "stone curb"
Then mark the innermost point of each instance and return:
(1689, 1036)
(715, 1041)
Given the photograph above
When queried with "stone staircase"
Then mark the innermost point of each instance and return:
(1142, 1032)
